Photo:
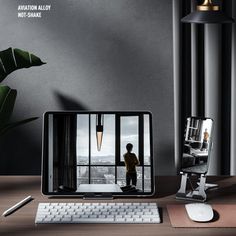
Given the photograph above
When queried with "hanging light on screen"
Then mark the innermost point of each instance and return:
(99, 130)
(207, 13)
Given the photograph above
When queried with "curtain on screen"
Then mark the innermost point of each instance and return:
(204, 81)
(64, 152)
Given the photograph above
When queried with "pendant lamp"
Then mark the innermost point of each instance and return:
(99, 130)
(207, 13)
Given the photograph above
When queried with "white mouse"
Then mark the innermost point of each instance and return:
(199, 212)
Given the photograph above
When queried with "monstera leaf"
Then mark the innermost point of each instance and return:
(7, 102)
(14, 59)
(11, 60)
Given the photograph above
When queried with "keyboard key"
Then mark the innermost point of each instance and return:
(120, 220)
(129, 220)
(138, 220)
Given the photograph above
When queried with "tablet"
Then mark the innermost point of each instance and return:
(97, 153)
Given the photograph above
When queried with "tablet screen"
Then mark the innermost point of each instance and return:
(97, 152)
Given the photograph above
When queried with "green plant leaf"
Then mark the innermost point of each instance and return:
(7, 102)
(14, 59)
(10, 126)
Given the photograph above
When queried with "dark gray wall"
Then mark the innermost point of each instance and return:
(101, 55)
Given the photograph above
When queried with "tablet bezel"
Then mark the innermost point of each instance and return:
(44, 169)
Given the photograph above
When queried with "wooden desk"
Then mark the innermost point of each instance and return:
(15, 188)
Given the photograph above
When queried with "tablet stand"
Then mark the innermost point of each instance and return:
(197, 194)
(102, 196)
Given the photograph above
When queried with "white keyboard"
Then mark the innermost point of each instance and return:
(131, 213)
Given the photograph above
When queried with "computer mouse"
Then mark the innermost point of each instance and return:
(200, 212)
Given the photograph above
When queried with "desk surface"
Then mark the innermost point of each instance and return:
(15, 188)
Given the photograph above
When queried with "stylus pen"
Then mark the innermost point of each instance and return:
(17, 206)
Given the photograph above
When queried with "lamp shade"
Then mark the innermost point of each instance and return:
(207, 17)
(99, 140)
(207, 13)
